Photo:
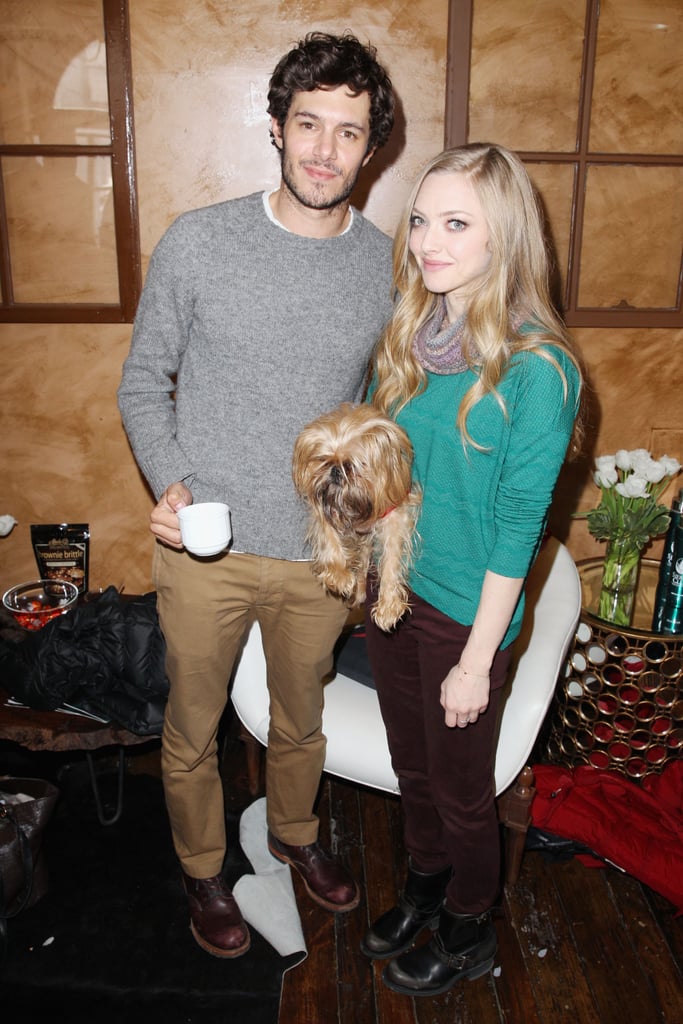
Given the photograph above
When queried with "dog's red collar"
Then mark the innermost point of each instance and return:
(393, 507)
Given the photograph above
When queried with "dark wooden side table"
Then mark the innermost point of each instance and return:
(57, 731)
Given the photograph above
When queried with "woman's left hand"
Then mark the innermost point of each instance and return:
(464, 696)
(465, 690)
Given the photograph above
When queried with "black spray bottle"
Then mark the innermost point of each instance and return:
(668, 614)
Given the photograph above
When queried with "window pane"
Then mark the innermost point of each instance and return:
(53, 80)
(632, 237)
(555, 183)
(60, 220)
(526, 69)
(638, 92)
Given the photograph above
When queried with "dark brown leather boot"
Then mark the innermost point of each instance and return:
(215, 918)
(327, 881)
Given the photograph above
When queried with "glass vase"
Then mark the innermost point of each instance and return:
(619, 579)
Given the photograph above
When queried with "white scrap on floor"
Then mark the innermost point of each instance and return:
(266, 898)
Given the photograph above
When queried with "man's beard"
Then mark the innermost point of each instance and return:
(315, 198)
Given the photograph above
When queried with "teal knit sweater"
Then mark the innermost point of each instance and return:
(486, 510)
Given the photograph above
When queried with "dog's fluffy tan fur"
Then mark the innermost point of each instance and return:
(353, 468)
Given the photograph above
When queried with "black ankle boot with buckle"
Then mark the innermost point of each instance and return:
(464, 946)
(418, 907)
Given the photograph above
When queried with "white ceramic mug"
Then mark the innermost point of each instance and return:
(205, 528)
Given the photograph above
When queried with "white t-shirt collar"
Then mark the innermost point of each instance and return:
(271, 216)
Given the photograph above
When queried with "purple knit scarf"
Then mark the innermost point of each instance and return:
(438, 348)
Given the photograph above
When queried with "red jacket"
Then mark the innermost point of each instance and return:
(638, 827)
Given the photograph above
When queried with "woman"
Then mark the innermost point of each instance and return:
(476, 366)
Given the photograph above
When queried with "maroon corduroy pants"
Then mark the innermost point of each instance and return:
(445, 774)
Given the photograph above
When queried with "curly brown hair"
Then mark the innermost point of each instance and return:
(323, 61)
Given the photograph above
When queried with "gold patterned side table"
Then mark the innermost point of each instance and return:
(619, 704)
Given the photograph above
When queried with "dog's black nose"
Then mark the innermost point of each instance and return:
(337, 475)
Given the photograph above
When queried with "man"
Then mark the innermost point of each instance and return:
(257, 315)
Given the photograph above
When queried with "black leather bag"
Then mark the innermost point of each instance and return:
(23, 872)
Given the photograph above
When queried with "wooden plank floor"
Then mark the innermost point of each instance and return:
(576, 945)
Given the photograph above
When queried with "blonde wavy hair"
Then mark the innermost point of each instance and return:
(513, 291)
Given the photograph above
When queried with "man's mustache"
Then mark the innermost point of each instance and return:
(323, 165)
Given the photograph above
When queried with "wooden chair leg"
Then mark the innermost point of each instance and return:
(514, 812)
(253, 751)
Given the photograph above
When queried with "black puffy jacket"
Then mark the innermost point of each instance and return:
(105, 656)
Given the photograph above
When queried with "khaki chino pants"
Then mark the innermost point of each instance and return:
(205, 607)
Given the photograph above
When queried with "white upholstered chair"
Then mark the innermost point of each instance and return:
(356, 739)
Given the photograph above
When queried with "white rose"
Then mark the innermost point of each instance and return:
(653, 471)
(7, 523)
(671, 466)
(623, 459)
(605, 471)
(605, 477)
(633, 487)
(641, 461)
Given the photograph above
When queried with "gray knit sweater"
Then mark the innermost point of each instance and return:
(265, 330)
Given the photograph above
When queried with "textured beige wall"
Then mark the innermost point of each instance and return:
(635, 383)
(200, 79)
(526, 67)
(200, 74)
(64, 452)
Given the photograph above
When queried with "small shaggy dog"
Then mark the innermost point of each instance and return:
(353, 468)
